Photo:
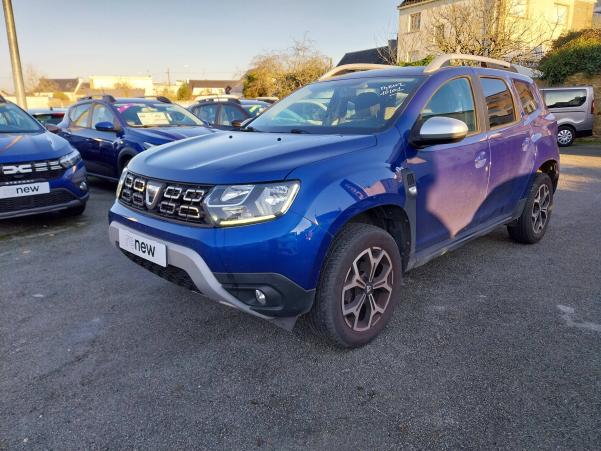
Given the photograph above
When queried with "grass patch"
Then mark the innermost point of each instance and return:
(588, 141)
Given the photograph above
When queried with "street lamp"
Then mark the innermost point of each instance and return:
(13, 48)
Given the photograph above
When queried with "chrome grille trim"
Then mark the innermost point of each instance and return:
(173, 201)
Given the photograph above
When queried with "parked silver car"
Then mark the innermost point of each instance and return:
(574, 109)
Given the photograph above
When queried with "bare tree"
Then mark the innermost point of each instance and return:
(494, 28)
(32, 78)
(388, 53)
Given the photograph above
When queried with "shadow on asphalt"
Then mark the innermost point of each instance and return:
(585, 150)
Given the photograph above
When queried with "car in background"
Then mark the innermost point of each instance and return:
(574, 109)
(297, 215)
(39, 171)
(109, 132)
(227, 113)
(48, 116)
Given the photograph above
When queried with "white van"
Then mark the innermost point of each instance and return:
(574, 109)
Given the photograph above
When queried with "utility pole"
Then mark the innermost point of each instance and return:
(13, 48)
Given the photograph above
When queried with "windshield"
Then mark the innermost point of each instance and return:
(139, 114)
(14, 120)
(254, 109)
(344, 106)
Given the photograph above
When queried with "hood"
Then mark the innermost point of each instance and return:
(242, 157)
(166, 134)
(22, 147)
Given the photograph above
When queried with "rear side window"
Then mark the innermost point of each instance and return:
(526, 96)
(564, 98)
(499, 102)
(454, 99)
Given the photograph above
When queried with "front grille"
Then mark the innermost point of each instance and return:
(32, 171)
(171, 273)
(180, 202)
(55, 197)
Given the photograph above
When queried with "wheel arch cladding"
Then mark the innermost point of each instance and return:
(126, 154)
(551, 168)
(390, 217)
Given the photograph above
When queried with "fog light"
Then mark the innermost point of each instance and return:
(83, 186)
(260, 297)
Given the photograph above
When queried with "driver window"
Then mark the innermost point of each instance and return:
(230, 113)
(102, 114)
(454, 99)
(207, 113)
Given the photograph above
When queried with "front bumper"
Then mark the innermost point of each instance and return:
(285, 299)
(65, 192)
(76, 202)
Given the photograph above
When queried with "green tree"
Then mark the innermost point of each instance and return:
(184, 92)
(577, 51)
(280, 73)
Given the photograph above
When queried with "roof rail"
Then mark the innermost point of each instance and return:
(159, 98)
(349, 68)
(106, 97)
(444, 60)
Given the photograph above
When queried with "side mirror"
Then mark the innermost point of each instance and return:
(105, 126)
(241, 123)
(52, 128)
(440, 130)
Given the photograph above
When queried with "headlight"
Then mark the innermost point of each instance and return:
(71, 159)
(120, 184)
(246, 204)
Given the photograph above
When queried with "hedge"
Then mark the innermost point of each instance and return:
(577, 51)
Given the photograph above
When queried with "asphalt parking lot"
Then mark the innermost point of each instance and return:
(496, 345)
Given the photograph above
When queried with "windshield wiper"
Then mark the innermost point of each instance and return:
(299, 131)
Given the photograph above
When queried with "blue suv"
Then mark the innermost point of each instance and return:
(320, 215)
(39, 171)
(109, 132)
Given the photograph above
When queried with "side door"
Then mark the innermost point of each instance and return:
(511, 149)
(102, 150)
(76, 131)
(207, 112)
(451, 179)
(230, 113)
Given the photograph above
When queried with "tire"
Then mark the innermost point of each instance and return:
(75, 211)
(534, 220)
(354, 248)
(565, 136)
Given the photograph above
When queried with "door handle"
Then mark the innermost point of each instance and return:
(480, 160)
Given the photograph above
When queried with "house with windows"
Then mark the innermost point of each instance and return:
(418, 23)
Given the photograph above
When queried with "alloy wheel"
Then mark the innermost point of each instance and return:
(367, 289)
(540, 208)
(564, 136)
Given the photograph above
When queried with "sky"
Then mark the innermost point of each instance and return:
(193, 39)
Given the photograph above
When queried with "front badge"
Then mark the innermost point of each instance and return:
(153, 190)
